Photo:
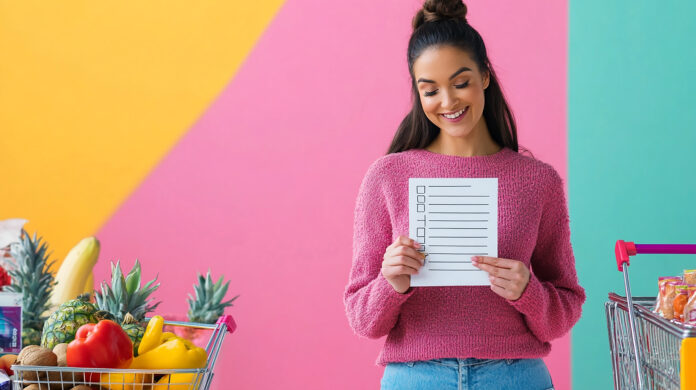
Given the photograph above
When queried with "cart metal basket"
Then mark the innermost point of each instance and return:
(52, 378)
(648, 351)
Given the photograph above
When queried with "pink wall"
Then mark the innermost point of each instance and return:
(262, 188)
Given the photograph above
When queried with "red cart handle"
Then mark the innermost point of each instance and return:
(229, 322)
(626, 249)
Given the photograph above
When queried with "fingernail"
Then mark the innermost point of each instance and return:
(416, 244)
(475, 259)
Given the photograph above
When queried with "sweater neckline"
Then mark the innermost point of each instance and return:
(497, 156)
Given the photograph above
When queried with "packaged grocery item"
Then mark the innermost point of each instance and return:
(690, 276)
(10, 232)
(667, 304)
(660, 304)
(690, 309)
(5, 382)
(682, 296)
(10, 322)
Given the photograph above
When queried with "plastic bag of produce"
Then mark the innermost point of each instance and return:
(683, 292)
(666, 294)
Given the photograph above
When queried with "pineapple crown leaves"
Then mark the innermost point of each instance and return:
(207, 305)
(32, 278)
(125, 295)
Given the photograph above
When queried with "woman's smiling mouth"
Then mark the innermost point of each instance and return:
(455, 116)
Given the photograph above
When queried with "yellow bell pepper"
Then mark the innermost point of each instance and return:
(175, 353)
(166, 336)
(152, 336)
(165, 350)
(126, 381)
(180, 381)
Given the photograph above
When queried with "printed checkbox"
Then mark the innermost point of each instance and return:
(421, 198)
(420, 189)
(420, 232)
(420, 208)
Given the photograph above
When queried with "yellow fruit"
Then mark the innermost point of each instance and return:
(152, 336)
(89, 284)
(180, 381)
(127, 381)
(75, 271)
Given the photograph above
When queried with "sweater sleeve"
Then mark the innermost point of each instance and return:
(552, 302)
(372, 305)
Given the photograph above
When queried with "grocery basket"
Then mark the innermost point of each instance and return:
(648, 351)
(126, 379)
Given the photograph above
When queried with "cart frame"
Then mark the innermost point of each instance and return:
(656, 346)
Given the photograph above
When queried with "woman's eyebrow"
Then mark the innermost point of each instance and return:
(455, 74)
(462, 69)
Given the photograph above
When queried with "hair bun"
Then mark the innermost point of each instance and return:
(434, 10)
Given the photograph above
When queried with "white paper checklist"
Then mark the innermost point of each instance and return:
(453, 219)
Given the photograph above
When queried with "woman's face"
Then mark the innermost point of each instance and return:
(450, 86)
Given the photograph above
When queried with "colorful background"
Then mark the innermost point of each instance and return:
(233, 137)
(631, 142)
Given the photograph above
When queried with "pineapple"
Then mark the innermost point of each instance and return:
(33, 279)
(62, 325)
(125, 298)
(31, 336)
(134, 329)
(207, 307)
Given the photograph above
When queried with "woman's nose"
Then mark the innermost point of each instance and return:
(449, 101)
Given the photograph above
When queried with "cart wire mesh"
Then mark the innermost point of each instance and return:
(65, 378)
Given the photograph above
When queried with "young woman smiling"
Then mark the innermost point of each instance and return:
(470, 337)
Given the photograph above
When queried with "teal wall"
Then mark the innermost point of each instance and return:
(632, 154)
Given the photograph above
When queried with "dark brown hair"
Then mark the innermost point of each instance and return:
(441, 23)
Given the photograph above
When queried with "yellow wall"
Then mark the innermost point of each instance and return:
(93, 94)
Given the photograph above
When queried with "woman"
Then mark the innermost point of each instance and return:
(473, 337)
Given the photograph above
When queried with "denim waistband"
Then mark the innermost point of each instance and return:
(468, 362)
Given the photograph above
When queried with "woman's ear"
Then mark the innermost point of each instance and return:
(486, 79)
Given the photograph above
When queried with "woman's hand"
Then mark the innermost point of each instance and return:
(401, 260)
(508, 277)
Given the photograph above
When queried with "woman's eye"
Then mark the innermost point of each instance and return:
(463, 85)
(430, 93)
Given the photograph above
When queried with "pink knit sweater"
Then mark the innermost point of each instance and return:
(465, 322)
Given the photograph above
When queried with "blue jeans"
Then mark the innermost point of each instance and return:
(468, 374)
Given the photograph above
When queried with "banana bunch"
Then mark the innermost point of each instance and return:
(75, 276)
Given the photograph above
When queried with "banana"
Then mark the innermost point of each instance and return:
(89, 284)
(74, 274)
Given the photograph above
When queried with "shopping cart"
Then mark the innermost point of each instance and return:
(124, 379)
(648, 351)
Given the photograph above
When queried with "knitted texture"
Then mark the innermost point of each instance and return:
(465, 321)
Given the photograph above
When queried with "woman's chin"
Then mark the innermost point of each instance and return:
(456, 132)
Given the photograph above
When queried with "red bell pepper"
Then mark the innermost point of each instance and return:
(101, 345)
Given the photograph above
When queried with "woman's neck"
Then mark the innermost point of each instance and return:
(479, 143)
